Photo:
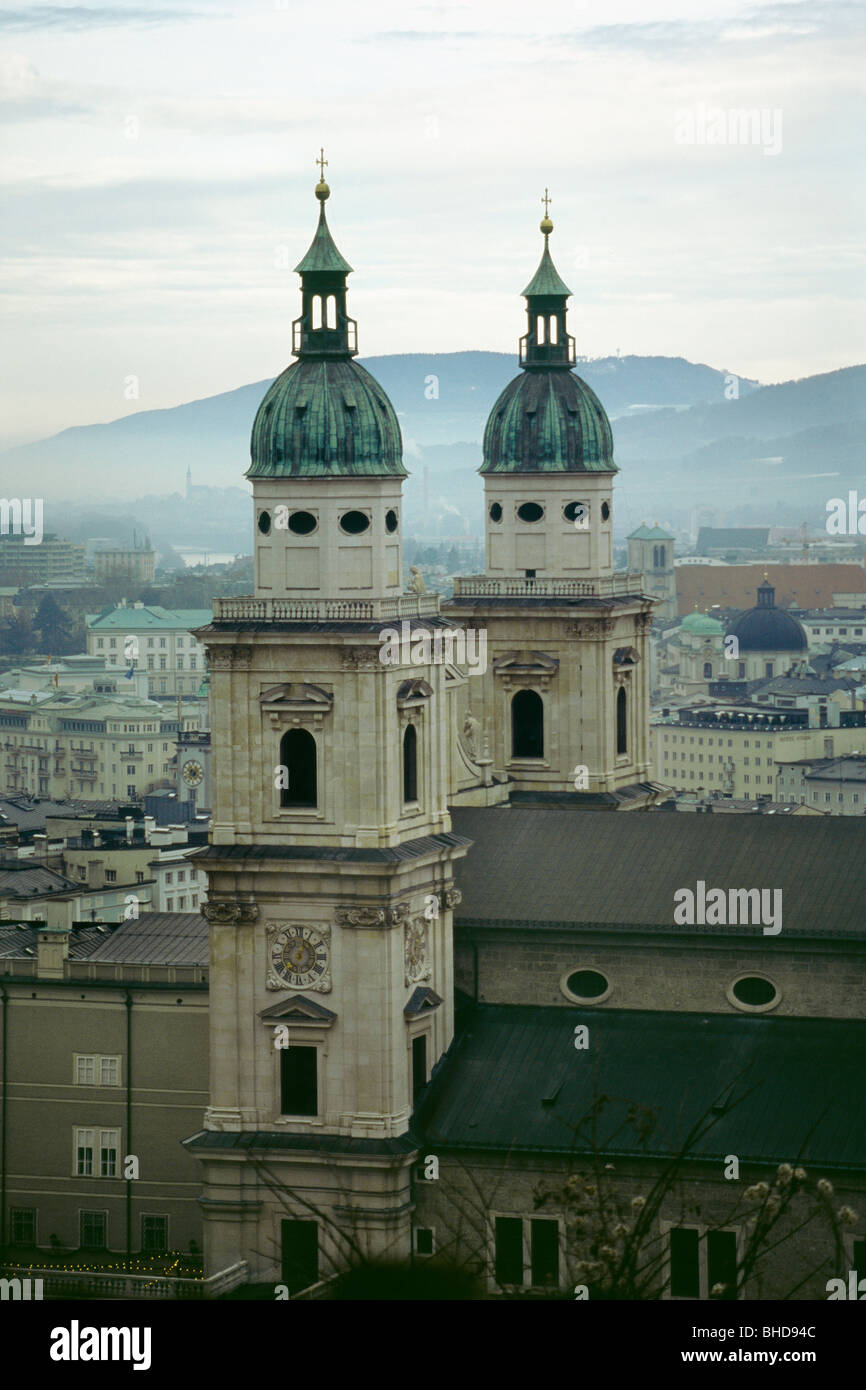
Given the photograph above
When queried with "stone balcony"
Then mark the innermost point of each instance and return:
(246, 609)
(619, 584)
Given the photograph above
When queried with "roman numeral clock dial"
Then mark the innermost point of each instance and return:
(299, 957)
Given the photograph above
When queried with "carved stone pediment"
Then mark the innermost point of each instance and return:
(413, 690)
(625, 656)
(296, 702)
(525, 667)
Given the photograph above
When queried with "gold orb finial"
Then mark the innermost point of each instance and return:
(545, 224)
(323, 192)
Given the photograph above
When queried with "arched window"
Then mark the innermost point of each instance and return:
(539, 329)
(708, 670)
(410, 764)
(621, 721)
(331, 311)
(553, 329)
(527, 725)
(317, 311)
(298, 755)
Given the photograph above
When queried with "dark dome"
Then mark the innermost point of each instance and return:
(769, 629)
(322, 418)
(548, 422)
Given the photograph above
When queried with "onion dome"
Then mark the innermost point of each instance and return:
(547, 420)
(325, 415)
(767, 628)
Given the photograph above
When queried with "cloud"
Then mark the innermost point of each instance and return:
(79, 17)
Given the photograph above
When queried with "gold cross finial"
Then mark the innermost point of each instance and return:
(322, 162)
(547, 200)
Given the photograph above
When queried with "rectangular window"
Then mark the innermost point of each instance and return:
(169, 878)
(424, 1240)
(110, 875)
(509, 1250)
(23, 1225)
(109, 1071)
(84, 1153)
(85, 1070)
(722, 1263)
(300, 1252)
(419, 1065)
(685, 1268)
(93, 1228)
(154, 1234)
(109, 1142)
(181, 875)
(299, 1081)
(544, 1252)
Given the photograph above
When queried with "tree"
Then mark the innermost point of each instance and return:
(53, 625)
(16, 634)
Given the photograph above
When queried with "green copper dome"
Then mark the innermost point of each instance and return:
(548, 422)
(702, 625)
(325, 418)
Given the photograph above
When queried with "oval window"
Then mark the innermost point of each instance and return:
(530, 511)
(264, 523)
(754, 991)
(354, 523)
(586, 984)
(496, 512)
(302, 523)
(391, 521)
(576, 511)
(605, 511)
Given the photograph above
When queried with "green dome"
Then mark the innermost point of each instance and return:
(323, 418)
(702, 625)
(548, 422)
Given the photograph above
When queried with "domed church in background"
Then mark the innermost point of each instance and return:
(769, 639)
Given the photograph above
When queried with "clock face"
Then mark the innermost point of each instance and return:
(299, 956)
(192, 772)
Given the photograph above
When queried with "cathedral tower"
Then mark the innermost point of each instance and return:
(564, 702)
(330, 868)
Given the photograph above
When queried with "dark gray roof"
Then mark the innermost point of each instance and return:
(158, 938)
(566, 866)
(34, 882)
(30, 814)
(805, 685)
(514, 1080)
(15, 940)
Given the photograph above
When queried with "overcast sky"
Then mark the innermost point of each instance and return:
(157, 159)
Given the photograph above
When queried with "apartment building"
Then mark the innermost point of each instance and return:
(94, 747)
(156, 640)
(835, 785)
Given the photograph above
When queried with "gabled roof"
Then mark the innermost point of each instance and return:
(158, 938)
(650, 533)
(514, 1080)
(300, 1008)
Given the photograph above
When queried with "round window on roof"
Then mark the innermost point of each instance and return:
(530, 511)
(605, 511)
(354, 523)
(265, 523)
(586, 986)
(753, 992)
(391, 521)
(496, 512)
(302, 523)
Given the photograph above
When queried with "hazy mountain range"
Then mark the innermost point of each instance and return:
(685, 434)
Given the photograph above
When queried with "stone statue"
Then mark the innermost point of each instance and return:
(416, 583)
(471, 729)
